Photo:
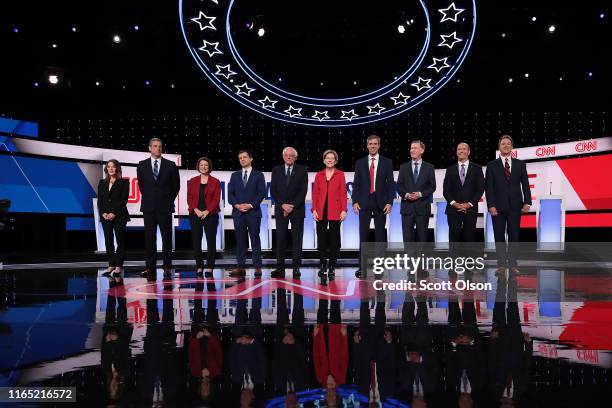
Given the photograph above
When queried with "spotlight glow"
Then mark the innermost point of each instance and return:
(53, 79)
(534, 18)
(261, 32)
(116, 39)
(552, 29)
(401, 29)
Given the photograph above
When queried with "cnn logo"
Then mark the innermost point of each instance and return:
(582, 147)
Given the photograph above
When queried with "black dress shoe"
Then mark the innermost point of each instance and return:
(277, 273)
(358, 274)
(208, 274)
(145, 273)
(331, 271)
(297, 273)
(258, 272)
(322, 269)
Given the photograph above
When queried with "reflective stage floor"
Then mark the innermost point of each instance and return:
(540, 338)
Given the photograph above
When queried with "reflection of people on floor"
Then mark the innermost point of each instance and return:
(161, 367)
(417, 367)
(330, 350)
(465, 363)
(115, 350)
(247, 355)
(374, 361)
(510, 350)
(205, 351)
(289, 368)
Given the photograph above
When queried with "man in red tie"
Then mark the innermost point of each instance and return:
(373, 192)
(508, 196)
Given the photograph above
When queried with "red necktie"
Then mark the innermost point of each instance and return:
(372, 176)
(507, 169)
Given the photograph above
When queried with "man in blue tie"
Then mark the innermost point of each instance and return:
(245, 192)
(159, 183)
(416, 184)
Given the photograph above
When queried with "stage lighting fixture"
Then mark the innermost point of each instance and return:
(401, 29)
(74, 29)
(116, 39)
(136, 28)
(53, 79)
(510, 80)
(54, 45)
(602, 16)
(552, 29)
(261, 32)
(526, 74)
(534, 18)
(97, 83)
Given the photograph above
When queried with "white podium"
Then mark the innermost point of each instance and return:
(550, 223)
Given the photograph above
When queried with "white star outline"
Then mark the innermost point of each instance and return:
(446, 37)
(267, 103)
(436, 66)
(318, 116)
(376, 109)
(351, 115)
(227, 72)
(293, 111)
(210, 53)
(454, 10)
(244, 89)
(400, 99)
(209, 23)
(419, 84)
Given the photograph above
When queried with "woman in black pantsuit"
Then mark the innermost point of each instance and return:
(113, 193)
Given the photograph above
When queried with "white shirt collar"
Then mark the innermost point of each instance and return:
(247, 169)
(158, 160)
(503, 159)
(370, 157)
(467, 163)
(417, 161)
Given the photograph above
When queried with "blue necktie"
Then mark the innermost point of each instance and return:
(415, 173)
(155, 170)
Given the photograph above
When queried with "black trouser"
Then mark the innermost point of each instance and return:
(114, 229)
(462, 227)
(509, 221)
(209, 224)
(297, 235)
(379, 221)
(164, 221)
(335, 315)
(408, 224)
(328, 240)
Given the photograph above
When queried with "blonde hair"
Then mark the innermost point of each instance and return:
(330, 151)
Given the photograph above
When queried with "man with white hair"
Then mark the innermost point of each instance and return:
(288, 189)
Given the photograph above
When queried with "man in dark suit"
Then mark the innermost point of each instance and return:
(159, 183)
(288, 188)
(508, 196)
(245, 192)
(416, 184)
(463, 187)
(373, 192)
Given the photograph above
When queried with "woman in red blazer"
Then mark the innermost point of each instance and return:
(205, 359)
(203, 196)
(329, 210)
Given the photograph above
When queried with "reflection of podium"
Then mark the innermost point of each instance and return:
(550, 223)
(441, 237)
(135, 222)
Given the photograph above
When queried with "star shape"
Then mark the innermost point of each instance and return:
(439, 67)
(293, 111)
(320, 115)
(244, 89)
(267, 103)
(450, 11)
(224, 71)
(209, 22)
(400, 99)
(206, 46)
(215, 1)
(422, 84)
(376, 109)
(350, 115)
(446, 37)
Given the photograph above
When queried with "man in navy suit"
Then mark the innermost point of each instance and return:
(508, 196)
(159, 183)
(463, 188)
(373, 192)
(416, 183)
(245, 192)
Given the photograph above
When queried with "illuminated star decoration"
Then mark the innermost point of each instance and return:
(400, 99)
(350, 114)
(224, 71)
(445, 40)
(209, 22)
(376, 109)
(450, 11)
(206, 49)
(320, 115)
(439, 67)
(267, 103)
(422, 84)
(293, 111)
(244, 89)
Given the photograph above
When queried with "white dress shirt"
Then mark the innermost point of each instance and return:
(159, 160)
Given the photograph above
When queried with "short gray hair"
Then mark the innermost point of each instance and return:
(290, 148)
(155, 139)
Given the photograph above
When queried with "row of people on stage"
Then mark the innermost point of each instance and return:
(506, 183)
(244, 364)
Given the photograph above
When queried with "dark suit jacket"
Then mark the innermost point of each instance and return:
(425, 183)
(471, 190)
(294, 193)
(507, 195)
(158, 196)
(115, 200)
(253, 193)
(385, 189)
